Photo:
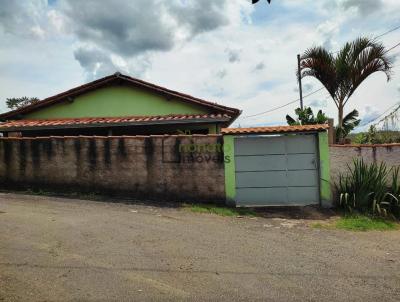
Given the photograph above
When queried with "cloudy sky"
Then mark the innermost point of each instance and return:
(226, 51)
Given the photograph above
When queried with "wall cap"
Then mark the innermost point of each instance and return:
(366, 145)
(110, 137)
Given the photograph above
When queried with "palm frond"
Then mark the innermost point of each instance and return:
(367, 57)
(291, 121)
(351, 117)
(317, 62)
(350, 121)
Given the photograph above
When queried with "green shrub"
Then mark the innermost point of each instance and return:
(365, 188)
(375, 136)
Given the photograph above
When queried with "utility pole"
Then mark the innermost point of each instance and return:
(299, 78)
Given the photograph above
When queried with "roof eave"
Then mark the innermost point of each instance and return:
(108, 125)
(234, 118)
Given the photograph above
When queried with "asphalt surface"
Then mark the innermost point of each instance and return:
(56, 249)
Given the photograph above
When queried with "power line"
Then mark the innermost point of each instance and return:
(388, 32)
(391, 113)
(390, 49)
(376, 37)
(375, 119)
(282, 106)
(277, 108)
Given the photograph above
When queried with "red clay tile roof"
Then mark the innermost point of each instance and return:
(119, 78)
(112, 121)
(276, 129)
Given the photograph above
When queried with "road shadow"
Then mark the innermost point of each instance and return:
(284, 212)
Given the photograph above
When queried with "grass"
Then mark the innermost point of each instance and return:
(365, 223)
(320, 225)
(220, 210)
(359, 223)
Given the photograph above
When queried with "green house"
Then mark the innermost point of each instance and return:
(118, 105)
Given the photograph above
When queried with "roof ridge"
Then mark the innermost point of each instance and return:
(109, 79)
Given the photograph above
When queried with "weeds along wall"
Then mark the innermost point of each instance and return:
(343, 155)
(176, 168)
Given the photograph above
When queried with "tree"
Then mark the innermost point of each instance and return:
(306, 117)
(370, 137)
(343, 73)
(17, 103)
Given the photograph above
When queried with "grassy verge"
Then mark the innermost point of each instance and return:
(219, 210)
(359, 223)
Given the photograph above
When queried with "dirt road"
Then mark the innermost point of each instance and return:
(56, 249)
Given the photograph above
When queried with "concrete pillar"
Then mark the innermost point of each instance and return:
(331, 131)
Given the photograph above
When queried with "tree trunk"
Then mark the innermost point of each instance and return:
(340, 116)
(339, 136)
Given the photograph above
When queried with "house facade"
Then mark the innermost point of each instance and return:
(118, 105)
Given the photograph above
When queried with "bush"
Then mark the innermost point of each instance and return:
(373, 136)
(365, 188)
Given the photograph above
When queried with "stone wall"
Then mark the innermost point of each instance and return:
(177, 168)
(342, 155)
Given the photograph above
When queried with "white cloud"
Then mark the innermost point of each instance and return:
(176, 44)
(130, 29)
(363, 7)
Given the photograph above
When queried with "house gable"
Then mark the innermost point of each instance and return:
(114, 101)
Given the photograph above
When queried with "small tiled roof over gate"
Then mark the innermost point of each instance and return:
(276, 129)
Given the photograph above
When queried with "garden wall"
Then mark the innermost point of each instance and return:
(342, 155)
(178, 168)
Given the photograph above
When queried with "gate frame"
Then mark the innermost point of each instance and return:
(325, 197)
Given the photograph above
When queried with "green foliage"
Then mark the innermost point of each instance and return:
(343, 73)
(365, 188)
(350, 121)
(367, 138)
(306, 117)
(361, 223)
(373, 136)
(365, 223)
(17, 103)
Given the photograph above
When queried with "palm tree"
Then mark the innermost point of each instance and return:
(343, 73)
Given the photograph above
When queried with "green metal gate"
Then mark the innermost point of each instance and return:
(276, 170)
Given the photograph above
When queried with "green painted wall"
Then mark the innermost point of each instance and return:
(230, 181)
(325, 181)
(116, 101)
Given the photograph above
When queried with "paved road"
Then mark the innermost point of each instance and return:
(54, 249)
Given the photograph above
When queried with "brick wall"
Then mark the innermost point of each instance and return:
(340, 156)
(178, 168)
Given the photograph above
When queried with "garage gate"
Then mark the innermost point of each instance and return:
(276, 170)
